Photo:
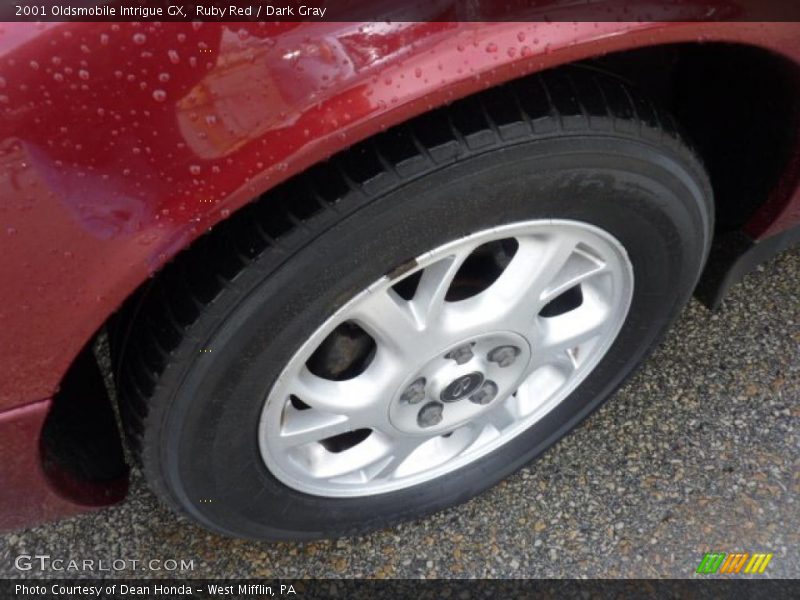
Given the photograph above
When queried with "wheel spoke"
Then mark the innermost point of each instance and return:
(534, 393)
(305, 426)
(536, 264)
(475, 434)
(574, 273)
(491, 424)
(389, 320)
(392, 465)
(436, 279)
(351, 465)
(565, 333)
(519, 293)
(572, 336)
(360, 398)
(502, 416)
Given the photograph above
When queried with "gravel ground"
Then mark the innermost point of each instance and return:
(700, 451)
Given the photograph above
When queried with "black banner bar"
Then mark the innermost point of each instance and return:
(80, 589)
(399, 10)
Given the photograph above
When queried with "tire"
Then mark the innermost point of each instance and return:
(220, 324)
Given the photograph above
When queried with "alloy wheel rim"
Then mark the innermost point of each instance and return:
(436, 369)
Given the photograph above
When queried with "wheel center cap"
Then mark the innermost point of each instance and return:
(462, 387)
(459, 383)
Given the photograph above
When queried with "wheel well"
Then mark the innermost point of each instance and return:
(735, 103)
(80, 445)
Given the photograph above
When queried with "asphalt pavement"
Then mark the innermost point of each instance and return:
(698, 452)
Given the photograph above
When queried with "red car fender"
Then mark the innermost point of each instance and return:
(121, 142)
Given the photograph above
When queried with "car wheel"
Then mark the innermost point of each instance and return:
(410, 323)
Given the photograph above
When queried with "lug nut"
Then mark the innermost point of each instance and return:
(430, 415)
(462, 354)
(504, 355)
(485, 394)
(415, 392)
